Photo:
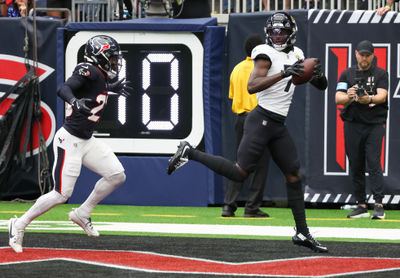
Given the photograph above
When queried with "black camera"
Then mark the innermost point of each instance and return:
(361, 83)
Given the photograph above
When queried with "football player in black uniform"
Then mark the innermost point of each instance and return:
(274, 65)
(86, 92)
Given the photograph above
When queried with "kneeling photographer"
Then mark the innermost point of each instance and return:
(362, 90)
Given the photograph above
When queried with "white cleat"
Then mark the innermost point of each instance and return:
(15, 237)
(83, 222)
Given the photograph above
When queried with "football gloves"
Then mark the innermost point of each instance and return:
(120, 87)
(294, 69)
(317, 70)
(80, 106)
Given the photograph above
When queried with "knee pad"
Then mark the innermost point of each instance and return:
(238, 174)
(58, 198)
(293, 176)
(117, 179)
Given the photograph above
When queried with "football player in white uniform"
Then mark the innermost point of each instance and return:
(274, 65)
(86, 92)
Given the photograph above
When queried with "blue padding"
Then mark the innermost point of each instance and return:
(148, 24)
(60, 76)
(148, 184)
(212, 82)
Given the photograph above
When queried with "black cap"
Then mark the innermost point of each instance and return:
(365, 47)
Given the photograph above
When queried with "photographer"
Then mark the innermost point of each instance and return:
(362, 90)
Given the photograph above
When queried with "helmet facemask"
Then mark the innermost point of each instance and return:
(279, 37)
(113, 67)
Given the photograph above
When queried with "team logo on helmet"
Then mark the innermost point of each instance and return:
(99, 45)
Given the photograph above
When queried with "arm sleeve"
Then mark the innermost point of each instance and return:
(66, 91)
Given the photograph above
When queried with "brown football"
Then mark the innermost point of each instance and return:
(306, 76)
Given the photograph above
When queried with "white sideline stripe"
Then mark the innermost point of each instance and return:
(205, 229)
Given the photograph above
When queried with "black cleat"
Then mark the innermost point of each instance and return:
(309, 242)
(180, 157)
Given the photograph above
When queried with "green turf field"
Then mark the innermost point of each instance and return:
(205, 215)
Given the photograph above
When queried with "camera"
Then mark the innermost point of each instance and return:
(361, 83)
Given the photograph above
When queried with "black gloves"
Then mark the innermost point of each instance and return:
(294, 69)
(317, 70)
(120, 87)
(318, 79)
(80, 106)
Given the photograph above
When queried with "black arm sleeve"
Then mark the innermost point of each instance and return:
(66, 91)
(321, 83)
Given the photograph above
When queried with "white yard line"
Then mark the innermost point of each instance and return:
(204, 229)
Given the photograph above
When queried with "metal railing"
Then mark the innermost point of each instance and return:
(237, 6)
(104, 10)
(92, 10)
(65, 10)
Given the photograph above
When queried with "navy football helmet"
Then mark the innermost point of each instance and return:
(104, 52)
(280, 31)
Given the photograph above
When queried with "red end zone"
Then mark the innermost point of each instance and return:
(149, 262)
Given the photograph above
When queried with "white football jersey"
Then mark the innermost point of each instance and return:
(278, 97)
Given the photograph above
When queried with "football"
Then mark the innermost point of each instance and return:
(306, 76)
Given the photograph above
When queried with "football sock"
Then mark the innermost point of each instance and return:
(102, 189)
(296, 203)
(43, 204)
(218, 164)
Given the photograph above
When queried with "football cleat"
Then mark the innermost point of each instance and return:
(83, 222)
(180, 157)
(15, 237)
(309, 242)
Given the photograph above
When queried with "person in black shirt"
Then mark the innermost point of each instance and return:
(362, 90)
(86, 92)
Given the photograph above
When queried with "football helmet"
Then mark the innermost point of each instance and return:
(104, 52)
(280, 31)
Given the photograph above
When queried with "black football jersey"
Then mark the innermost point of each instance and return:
(87, 81)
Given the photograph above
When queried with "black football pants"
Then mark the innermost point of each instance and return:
(363, 143)
(260, 132)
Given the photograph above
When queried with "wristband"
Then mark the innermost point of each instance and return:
(370, 99)
(388, 7)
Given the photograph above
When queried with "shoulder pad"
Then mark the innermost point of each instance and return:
(87, 70)
(262, 50)
(298, 52)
